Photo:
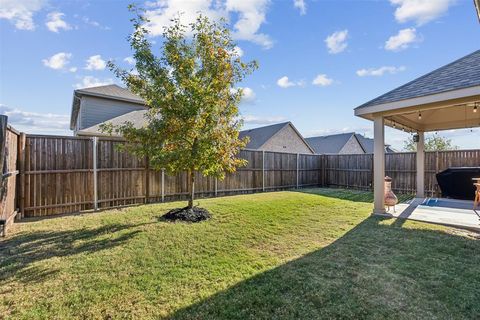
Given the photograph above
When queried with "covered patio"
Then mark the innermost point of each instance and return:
(446, 98)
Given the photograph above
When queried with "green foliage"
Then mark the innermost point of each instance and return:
(190, 89)
(432, 143)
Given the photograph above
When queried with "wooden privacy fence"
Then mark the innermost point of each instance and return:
(356, 171)
(71, 174)
(61, 174)
(9, 138)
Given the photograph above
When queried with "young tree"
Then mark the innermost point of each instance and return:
(432, 143)
(193, 121)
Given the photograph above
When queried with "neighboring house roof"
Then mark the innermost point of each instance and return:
(260, 136)
(368, 144)
(460, 74)
(111, 91)
(331, 144)
(137, 118)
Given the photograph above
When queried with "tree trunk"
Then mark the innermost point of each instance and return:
(192, 189)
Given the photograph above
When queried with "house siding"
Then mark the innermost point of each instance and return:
(95, 110)
(352, 147)
(286, 140)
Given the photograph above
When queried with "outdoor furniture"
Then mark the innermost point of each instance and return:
(477, 196)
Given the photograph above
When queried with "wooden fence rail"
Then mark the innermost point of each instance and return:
(60, 174)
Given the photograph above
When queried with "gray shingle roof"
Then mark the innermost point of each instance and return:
(136, 117)
(258, 136)
(331, 144)
(334, 143)
(367, 144)
(462, 73)
(111, 91)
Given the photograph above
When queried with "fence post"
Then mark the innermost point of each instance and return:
(323, 163)
(216, 186)
(21, 167)
(147, 179)
(297, 169)
(95, 182)
(263, 170)
(3, 179)
(163, 185)
(437, 194)
(371, 172)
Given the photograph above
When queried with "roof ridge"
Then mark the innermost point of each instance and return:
(419, 78)
(331, 135)
(267, 126)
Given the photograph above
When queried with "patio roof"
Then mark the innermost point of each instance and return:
(445, 98)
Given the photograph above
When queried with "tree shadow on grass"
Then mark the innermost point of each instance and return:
(376, 270)
(20, 252)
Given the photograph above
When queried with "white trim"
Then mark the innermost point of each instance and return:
(439, 97)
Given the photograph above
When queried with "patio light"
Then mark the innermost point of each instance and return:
(419, 116)
(475, 108)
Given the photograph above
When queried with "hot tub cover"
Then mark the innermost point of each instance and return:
(457, 183)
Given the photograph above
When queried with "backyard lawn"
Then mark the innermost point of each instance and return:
(313, 254)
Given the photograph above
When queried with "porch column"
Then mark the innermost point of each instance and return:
(420, 165)
(378, 164)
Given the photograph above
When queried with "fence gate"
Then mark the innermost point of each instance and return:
(9, 139)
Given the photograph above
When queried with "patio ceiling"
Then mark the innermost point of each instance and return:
(434, 116)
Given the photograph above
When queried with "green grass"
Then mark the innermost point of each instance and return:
(285, 255)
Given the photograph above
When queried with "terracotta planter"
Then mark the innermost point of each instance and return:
(390, 198)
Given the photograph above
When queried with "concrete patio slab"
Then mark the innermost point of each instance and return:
(449, 212)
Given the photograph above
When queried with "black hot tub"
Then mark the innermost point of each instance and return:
(457, 183)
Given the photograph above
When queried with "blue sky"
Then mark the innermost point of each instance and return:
(318, 59)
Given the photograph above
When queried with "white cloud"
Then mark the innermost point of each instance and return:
(250, 16)
(129, 60)
(94, 23)
(89, 81)
(55, 22)
(58, 61)
(261, 120)
(300, 5)
(284, 82)
(237, 51)
(96, 63)
(377, 72)
(248, 95)
(20, 12)
(34, 122)
(322, 80)
(337, 41)
(420, 11)
(402, 40)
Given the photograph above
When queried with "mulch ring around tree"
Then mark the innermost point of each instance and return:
(194, 214)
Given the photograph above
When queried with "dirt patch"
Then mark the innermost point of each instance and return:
(194, 214)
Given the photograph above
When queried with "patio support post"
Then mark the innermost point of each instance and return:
(379, 164)
(421, 165)
(95, 173)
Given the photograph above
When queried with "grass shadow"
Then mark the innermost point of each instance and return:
(377, 270)
(20, 252)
